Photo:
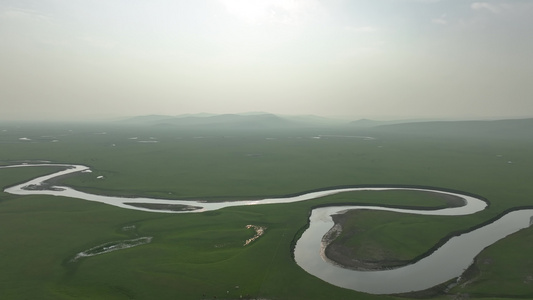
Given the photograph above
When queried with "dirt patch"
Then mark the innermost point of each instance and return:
(259, 231)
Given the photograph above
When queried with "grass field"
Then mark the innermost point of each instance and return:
(201, 256)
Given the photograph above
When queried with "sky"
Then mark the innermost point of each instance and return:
(380, 59)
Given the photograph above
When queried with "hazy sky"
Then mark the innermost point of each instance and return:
(374, 59)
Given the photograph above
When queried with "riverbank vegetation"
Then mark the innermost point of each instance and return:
(200, 256)
(377, 240)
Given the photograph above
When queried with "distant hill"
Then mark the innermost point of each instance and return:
(313, 120)
(509, 128)
(366, 123)
(227, 121)
(144, 119)
(200, 115)
(249, 120)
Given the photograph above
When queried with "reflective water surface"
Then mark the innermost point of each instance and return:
(447, 262)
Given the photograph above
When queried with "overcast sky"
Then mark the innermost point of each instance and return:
(376, 59)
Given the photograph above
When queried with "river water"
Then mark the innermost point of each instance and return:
(447, 262)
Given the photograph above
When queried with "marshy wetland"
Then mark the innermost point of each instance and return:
(197, 251)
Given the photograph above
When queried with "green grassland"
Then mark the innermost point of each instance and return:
(200, 256)
(400, 238)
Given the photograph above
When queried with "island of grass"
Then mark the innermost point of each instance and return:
(375, 240)
(165, 207)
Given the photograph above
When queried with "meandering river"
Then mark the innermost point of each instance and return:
(447, 262)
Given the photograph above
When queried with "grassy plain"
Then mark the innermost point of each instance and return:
(395, 239)
(200, 256)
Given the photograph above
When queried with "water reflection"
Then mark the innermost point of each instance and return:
(447, 262)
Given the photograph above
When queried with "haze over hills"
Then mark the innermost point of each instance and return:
(261, 120)
(228, 121)
(507, 128)
(250, 121)
(243, 121)
(367, 123)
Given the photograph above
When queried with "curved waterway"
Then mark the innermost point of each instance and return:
(447, 262)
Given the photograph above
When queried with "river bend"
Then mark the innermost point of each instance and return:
(447, 262)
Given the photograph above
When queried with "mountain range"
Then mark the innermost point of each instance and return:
(260, 120)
